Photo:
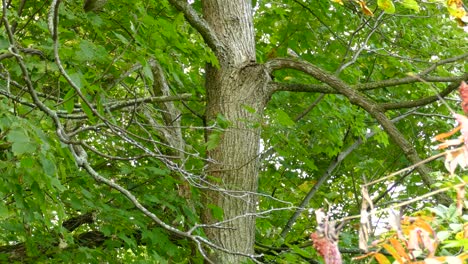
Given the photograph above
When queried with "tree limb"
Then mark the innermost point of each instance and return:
(423, 101)
(357, 98)
(327, 173)
(199, 24)
(299, 87)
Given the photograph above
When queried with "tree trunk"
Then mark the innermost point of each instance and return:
(235, 90)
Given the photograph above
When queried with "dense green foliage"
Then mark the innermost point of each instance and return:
(53, 211)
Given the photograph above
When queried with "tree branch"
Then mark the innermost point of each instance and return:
(357, 98)
(423, 101)
(407, 80)
(199, 24)
(299, 87)
(327, 173)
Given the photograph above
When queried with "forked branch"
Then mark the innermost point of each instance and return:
(199, 24)
(358, 99)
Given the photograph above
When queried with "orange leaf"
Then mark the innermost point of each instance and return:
(381, 259)
(410, 223)
(442, 136)
(394, 253)
(399, 248)
(421, 223)
(364, 8)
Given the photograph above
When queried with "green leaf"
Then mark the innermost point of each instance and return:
(77, 78)
(4, 213)
(21, 143)
(88, 111)
(213, 140)
(27, 162)
(411, 4)
(147, 71)
(86, 52)
(69, 101)
(121, 38)
(222, 122)
(157, 171)
(284, 118)
(460, 243)
(129, 241)
(250, 109)
(216, 211)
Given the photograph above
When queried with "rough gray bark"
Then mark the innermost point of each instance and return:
(238, 83)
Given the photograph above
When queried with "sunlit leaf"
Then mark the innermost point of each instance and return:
(442, 136)
(456, 9)
(338, 1)
(365, 9)
(387, 6)
(393, 252)
(411, 4)
(399, 249)
(381, 258)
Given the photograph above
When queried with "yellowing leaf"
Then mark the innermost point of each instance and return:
(338, 1)
(387, 6)
(393, 252)
(411, 4)
(381, 259)
(364, 8)
(455, 8)
(399, 249)
(306, 186)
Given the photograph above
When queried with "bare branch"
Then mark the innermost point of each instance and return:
(363, 45)
(407, 202)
